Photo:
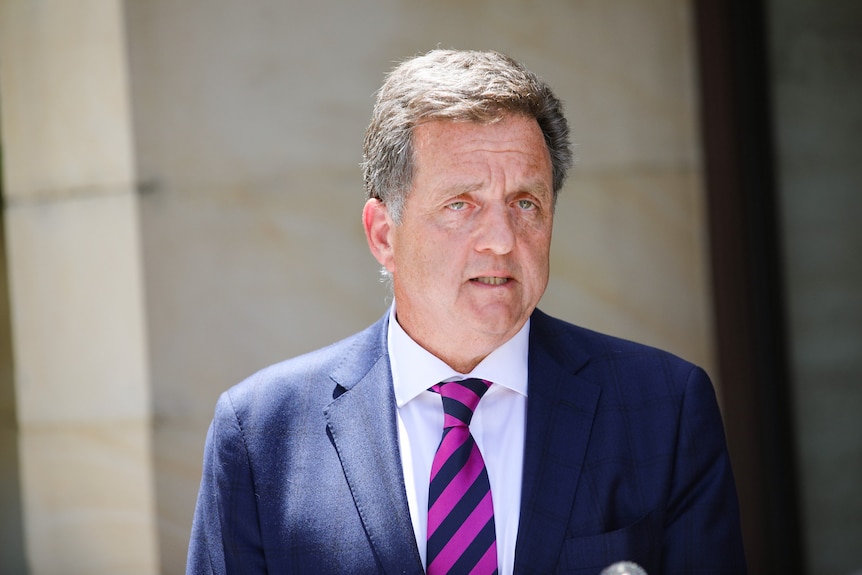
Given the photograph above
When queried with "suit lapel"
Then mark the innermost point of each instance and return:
(560, 411)
(363, 427)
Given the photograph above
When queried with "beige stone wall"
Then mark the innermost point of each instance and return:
(183, 200)
(75, 291)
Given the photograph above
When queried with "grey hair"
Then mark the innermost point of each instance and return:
(481, 87)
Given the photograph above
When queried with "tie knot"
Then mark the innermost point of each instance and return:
(460, 399)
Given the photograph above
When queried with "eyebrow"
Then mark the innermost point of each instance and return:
(535, 188)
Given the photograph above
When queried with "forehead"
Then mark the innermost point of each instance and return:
(515, 143)
(512, 132)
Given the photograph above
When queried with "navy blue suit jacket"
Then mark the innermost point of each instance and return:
(625, 459)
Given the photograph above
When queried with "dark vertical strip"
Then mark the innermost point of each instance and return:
(12, 544)
(747, 278)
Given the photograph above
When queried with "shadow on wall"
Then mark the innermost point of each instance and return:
(12, 559)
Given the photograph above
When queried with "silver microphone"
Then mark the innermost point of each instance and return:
(624, 568)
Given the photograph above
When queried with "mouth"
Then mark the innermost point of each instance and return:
(491, 280)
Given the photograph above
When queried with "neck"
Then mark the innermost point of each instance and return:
(462, 358)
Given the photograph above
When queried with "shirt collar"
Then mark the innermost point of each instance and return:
(415, 369)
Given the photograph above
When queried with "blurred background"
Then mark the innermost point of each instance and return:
(181, 207)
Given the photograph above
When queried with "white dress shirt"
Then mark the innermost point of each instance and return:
(498, 427)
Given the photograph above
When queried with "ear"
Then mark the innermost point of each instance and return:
(378, 231)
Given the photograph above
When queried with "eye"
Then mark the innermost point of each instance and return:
(526, 205)
(457, 206)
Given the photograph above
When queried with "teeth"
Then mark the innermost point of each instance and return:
(492, 281)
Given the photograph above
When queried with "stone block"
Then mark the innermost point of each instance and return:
(77, 301)
(89, 499)
(66, 121)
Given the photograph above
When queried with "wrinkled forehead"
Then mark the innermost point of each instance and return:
(467, 154)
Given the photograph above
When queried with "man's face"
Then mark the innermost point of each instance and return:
(469, 260)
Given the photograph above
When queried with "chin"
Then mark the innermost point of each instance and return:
(499, 325)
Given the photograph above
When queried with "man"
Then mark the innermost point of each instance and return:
(564, 450)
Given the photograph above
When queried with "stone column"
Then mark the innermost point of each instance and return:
(79, 335)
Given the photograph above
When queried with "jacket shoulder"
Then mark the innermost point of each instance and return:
(308, 380)
(598, 353)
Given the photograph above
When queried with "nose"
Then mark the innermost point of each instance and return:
(496, 230)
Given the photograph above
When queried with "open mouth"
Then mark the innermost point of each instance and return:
(491, 280)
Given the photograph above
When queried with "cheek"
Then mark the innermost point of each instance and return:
(415, 259)
(540, 258)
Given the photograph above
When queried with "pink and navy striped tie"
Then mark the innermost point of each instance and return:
(461, 533)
